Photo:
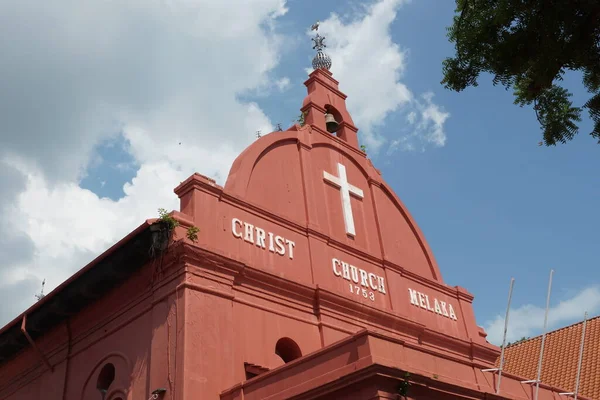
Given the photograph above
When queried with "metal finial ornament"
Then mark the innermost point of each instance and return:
(319, 42)
(321, 60)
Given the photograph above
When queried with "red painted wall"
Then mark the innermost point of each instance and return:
(227, 299)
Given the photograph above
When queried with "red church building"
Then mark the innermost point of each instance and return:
(308, 279)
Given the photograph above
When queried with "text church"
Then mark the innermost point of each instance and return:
(308, 279)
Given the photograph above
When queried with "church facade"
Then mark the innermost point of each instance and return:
(308, 279)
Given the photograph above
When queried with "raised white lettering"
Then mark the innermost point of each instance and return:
(451, 310)
(363, 278)
(427, 301)
(260, 238)
(443, 305)
(271, 247)
(422, 301)
(369, 281)
(414, 300)
(290, 248)
(381, 284)
(248, 230)
(234, 223)
(336, 264)
(373, 278)
(438, 310)
(439, 307)
(354, 273)
(279, 243)
(346, 270)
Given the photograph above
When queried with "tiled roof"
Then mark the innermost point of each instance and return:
(561, 355)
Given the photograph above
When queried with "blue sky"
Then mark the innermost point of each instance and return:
(491, 202)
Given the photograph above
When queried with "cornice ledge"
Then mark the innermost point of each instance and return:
(327, 300)
(374, 182)
(353, 251)
(200, 182)
(449, 290)
(317, 78)
(184, 220)
(313, 105)
(312, 232)
(485, 353)
(336, 140)
(463, 294)
(203, 258)
(462, 346)
(306, 291)
(206, 289)
(350, 340)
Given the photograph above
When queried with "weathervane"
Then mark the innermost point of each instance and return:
(321, 60)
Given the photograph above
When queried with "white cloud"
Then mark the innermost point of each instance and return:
(425, 126)
(369, 66)
(283, 83)
(431, 125)
(159, 73)
(411, 117)
(168, 77)
(93, 66)
(528, 320)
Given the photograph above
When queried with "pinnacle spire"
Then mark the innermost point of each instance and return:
(321, 60)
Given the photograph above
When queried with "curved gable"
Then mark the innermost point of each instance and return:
(286, 174)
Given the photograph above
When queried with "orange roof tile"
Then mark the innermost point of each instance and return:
(561, 355)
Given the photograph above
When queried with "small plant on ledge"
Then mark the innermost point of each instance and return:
(363, 148)
(300, 119)
(162, 231)
(164, 218)
(192, 233)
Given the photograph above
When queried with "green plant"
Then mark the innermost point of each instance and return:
(435, 376)
(363, 148)
(301, 119)
(528, 46)
(523, 339)
(192, 233)
(164, 217)
(404, 385)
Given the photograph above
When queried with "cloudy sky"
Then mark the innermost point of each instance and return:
(105, 106)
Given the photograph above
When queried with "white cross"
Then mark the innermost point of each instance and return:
(345, 189)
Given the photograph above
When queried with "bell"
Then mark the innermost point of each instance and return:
(331, 123)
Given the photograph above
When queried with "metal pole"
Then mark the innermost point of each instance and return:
(539, 372)
(512, 282)
(580, 355)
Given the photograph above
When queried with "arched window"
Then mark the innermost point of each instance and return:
(287, 349)
(105, 378)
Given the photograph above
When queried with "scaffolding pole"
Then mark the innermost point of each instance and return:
(510, 291)
(539, 371)
(580, 355)
(576, 392)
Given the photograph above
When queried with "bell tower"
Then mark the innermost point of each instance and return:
(324, 107)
